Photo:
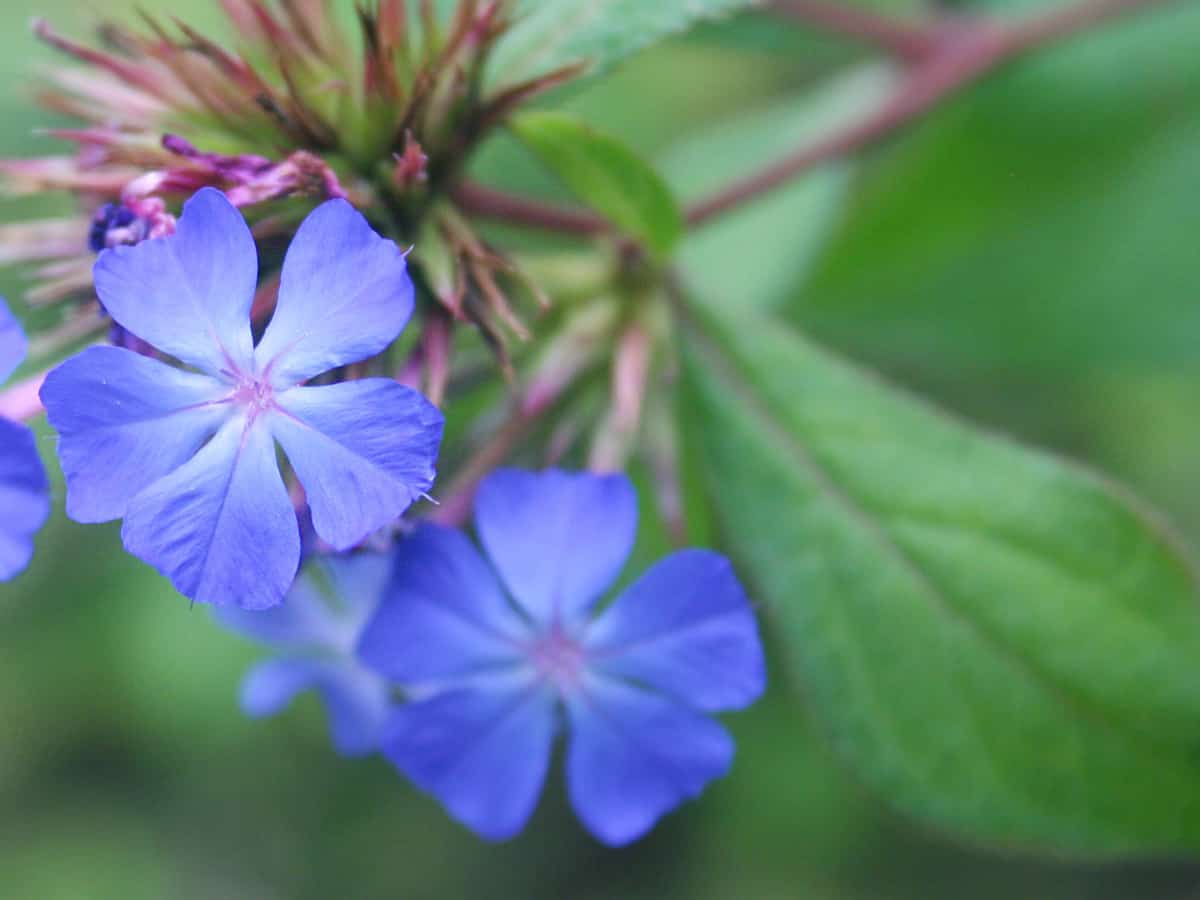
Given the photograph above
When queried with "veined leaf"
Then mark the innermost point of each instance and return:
(1000, 642)
(606, 175)
(549, 34)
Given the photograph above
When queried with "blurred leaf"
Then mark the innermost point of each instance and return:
(606, 175)
(764, 32)
(772, 31)
(1000, 641)
(720, 81)
(83, 844)
(1047, 219)
(549, 34)
(756, 254)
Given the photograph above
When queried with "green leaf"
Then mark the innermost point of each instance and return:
(1000, 642)
(804, 43)
(1045, 220)
(756, 254)
(550, 34)
(605, 174)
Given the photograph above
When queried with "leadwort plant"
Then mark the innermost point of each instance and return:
(256, 226)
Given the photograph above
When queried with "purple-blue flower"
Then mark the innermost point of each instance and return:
(316, 630)
(495, 655)
(187, 456)
(24, 491)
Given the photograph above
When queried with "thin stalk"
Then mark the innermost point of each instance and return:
(896, 37)
(966, 51)
(944, 57)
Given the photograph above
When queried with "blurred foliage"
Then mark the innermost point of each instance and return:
(1001, 642)
(1024, 254)
(606, 175)
(1044, 220)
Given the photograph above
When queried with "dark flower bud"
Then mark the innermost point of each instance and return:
(115, 224)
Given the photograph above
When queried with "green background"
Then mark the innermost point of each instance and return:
(1026, 255)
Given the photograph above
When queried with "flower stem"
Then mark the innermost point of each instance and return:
(455, 508)
(964, 52)
(498, 206)
(899, 38)
(20, 402)
(943, 57)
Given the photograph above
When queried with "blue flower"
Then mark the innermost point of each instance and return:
(24, 491)
(316, 629)
(188, 458)
(494, 662)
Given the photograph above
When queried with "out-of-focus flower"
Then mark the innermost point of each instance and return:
(188, 458)
(24, 491)
(314, 632)
(493, 661)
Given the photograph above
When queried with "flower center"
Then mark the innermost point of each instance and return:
(255, 396)
(558, 657)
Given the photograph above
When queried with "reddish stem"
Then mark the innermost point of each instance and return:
(896, 37)
(501, 207)
(945, 57)
(20, 401)
(455, 508)
(965, 51)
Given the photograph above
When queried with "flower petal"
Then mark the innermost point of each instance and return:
(302, 621)
(482, 752)
(443, 614)
(24, 497)
(558, 540)
(685, 628)
(634, 756)
(189, 295)
(357, 702)
(12, 342)
(221, 526)
(358, 580)
(315, 615)
(364, 451)
(124, 421)
(344, 295)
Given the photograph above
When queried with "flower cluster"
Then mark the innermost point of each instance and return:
(459, 666)
(267, 432)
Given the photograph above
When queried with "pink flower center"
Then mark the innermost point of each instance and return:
(255, 396)
(558, 658)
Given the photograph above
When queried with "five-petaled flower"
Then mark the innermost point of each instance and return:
(315, 630)
(24, 491)
(188, 458)
(490, 673)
